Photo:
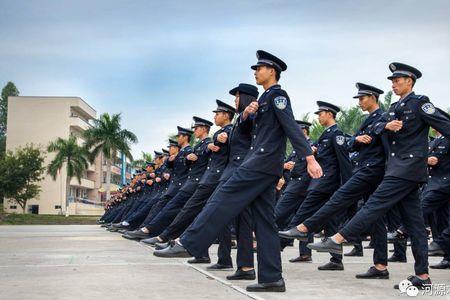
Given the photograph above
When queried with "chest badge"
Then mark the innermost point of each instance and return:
(280, 102)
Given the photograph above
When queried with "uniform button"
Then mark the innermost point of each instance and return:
(411, 155)
(179, 183)
(262, 149)
(189, 176)
(210, 159)
(251, 148)
(238, 158)
(218, 171)
(196, 179)
(429, 176)
(392, 154)
(254, 136)
(367, 165)
(207, 168)
(393, 143)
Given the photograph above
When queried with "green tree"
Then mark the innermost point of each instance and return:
(386, 103)
(20, 172)
(107, 137)
(71, 155)
(350, 119)
(9, 90)
(141, 162)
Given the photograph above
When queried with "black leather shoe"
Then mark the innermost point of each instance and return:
(136, 235)
(396, 236)
(417, 282)
(331, 266)
(368, 247)
(201, 260)
(443, 264)
(435, 250)
(219, 267)
(354, 252)
(242, 275)
(277, 286)
(293, 233)
(160, 246)
(175, 250)
(151, 241)
(301, 259)
(395, 258)
(326, 245)
(319, 235)
(112, 229)
(119, 226)
(104, 225)
(374, 273)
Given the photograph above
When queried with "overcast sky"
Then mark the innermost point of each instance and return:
(161, 62)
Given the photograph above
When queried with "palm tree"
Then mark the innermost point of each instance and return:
(141, 162)
(387, 101)
(73, 156)
(350, 119)
(107, 137)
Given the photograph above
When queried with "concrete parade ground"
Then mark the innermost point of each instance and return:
(87, 262)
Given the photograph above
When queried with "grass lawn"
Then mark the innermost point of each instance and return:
(29, 219)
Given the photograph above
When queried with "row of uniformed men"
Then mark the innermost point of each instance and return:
(234, 176)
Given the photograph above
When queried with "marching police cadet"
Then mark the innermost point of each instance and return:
(163, 214)
(436, 193)
(443, 242)
(253, 183)
(406, 124)
(175, 163)
(369, 161)
(293, 196)
(240, 140)
(180, 165)
(333, 157)
(210, 179)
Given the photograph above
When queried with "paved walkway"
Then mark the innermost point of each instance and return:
(86, 262)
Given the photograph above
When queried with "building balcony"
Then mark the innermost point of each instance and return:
(79, 124)
(85, 183)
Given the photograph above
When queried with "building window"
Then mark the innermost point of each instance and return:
(13, 207)
(57, 206)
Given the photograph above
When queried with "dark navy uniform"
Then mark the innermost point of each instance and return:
(207, 184)
(293, 196)
(436, 194)
(333, 157)
(240, 140)
(177, 169)
(369, 161)
(406, 168)
(162, 218)
(253, 183)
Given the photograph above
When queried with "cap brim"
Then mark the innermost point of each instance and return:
(234, 91)
(396, 76)
(254, 67)
(360, 95)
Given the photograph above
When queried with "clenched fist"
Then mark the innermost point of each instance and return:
(289, 165)
(251, 109)
(394, 125)
(192, 157)
(223, 137)
(213, 147)
(364, 139)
